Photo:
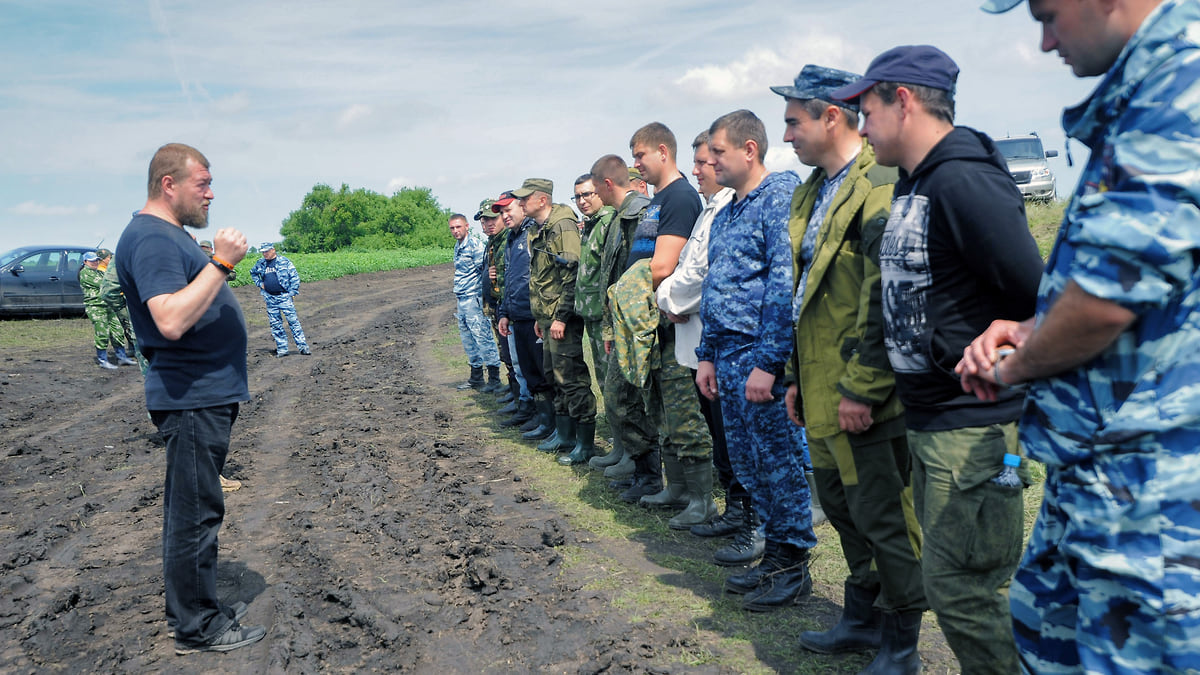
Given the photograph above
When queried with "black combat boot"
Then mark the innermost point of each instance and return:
(475, 381)
(526, 410)
(860, 627)
(647, 477)
(785, 584)
(748, 543)
(493, 385)
(513, 402)
(724, 525)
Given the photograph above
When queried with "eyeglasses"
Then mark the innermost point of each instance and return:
(584, 195)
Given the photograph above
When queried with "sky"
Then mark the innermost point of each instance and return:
(465, 98)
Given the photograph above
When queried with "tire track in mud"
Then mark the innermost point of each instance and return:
(376, 530)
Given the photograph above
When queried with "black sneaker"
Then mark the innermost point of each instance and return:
(237, 636)
(305, 352)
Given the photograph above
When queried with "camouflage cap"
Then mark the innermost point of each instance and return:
(103, 254)
(819, 82)
(634, 173)
(485, 209)
(206, 243)
(266, 246)
(89, 257)
(532, 185)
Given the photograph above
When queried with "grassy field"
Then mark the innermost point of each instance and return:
(322, 266)
(1044, 219)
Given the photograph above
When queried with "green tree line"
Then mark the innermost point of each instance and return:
(361, 219)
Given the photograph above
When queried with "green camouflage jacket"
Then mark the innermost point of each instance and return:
(617, 245)
(553, 262)
(590, 286)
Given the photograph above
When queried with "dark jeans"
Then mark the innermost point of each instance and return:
(734, 492)
(529, 355)
(193, 509)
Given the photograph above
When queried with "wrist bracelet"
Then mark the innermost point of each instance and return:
(221, 264)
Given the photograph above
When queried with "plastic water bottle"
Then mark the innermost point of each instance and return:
(1008, 475)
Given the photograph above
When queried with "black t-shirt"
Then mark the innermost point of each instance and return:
(207, 366)
(673, 210)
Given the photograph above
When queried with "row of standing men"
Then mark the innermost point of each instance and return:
(714, 318)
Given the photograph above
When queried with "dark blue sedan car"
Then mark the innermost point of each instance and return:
(41, 280)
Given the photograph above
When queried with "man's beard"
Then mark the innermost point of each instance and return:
(197, 219)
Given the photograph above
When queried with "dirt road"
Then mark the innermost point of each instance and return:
(378, 530)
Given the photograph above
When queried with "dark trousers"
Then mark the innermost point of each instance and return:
(529, 355)
(734, 492)
(193, 509)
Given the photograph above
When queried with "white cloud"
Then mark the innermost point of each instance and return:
(398, 182)
(784, 159)
(761, 67)
(353, 114)
(36, 209)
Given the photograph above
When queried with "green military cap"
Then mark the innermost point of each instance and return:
(532, 185)
(103, 254)
(634, 173)
(485, 209)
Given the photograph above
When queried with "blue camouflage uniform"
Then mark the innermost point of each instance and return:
(746, 309)
(1110, 581)
(470, 263)
(279, 282)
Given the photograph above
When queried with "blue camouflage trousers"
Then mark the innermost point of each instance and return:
(282, 306)
(476, 333)
(1110, 581)
(767, 452)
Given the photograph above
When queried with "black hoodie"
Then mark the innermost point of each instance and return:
(956, 255)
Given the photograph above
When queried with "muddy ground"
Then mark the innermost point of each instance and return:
(378, 528)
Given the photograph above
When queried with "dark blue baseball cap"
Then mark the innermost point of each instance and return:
(818, 82)
(909, 64)
(1000, 6)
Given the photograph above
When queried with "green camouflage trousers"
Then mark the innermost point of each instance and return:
(596, 342)
(105, 322)
(973, 530)
(572, 381)
(669, 408)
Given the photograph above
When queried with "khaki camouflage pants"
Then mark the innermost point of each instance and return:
(973, 530)
(596, 343)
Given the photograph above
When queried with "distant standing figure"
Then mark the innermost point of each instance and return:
(279, 282)
(104, 321)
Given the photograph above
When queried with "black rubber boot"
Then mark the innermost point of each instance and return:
(545, 427)
(563, 438)
(724, 525)
(493, 385)
(585, 445)
(860, 627)
(526, 410)
(647, 477)
(786, 583)
(511, 392)
(748, 544)
(475, 381)
(514, 399)
(898, 653)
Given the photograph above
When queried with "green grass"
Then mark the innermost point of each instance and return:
(323, 266)
(1044, 219)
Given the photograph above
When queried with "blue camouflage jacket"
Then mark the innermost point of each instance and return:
(747, 296)
(470, 260)
(1131, 234)
(285, 271)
